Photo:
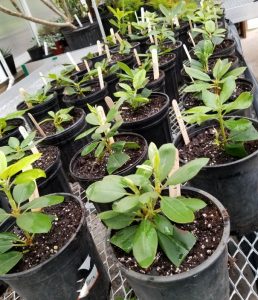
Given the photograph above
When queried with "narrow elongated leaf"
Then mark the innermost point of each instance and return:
(167, 154)
(105, 191)
(145, 244)
(116, 161)
(124, 238)
(250, 134)
(176, 210)
(115, 220)
(163, 225)
(9, 260)
(193, 203)
(227, 90)
(29, 175)
(188, 171)
(85, 133)
(22, 192)
(197, 74)
(139, 79)
(197, 87)
(127, 204)
(89, 148)
(44, 201)
(243, 101)
(34, 222)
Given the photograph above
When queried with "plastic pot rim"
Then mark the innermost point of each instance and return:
(239, 161)
(35, 268)
(10, 134)
(115, 173)
(39, 105)
(193, 272)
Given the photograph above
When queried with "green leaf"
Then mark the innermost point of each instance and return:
(197, 87)
(236, 150)
(187, 171)
(85, 133)
(29, 139)
(145, 169)
(193, 203)
(250, 134)
(115, 220)
(3, 162)
(34, 222)
(118, 146)
(243, 101)
(92, 119)
(124, 238)
(227, 90)
(3, 215)
(22, 192)
(167, 154)
(29, 175)
(148, 197)
(145, 244)
(105, 191)
(139, 79)
(100, 149)
(236, 72)
(13, 142)
(7, 241)
(220, 69)
(177, 247)
(19, 165)
(163, 225)
(116, 161)
(127, 204)
(154, 157)
(89, 148)
(210, 26)
(44, 201)
(176, 210)
(237, 124)
(9, 260)
(197, 74)
(210, 100)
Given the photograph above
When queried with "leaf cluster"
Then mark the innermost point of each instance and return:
(4, 126)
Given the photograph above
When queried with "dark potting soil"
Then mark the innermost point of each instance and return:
(191, 100)
(172, 46)
(117, 57)
(155, 104)
(224, 45)
(163, 59)
(49, 128)
(48, 157)
(89, 168)
(67, 219)
(202, 145)
(207, 227)
(212, 61)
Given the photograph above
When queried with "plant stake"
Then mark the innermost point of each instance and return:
(90, 17)
(108, 52)
(69, 55)
(187, 53)
(180, 122)
(113, 35)
(43, 78)
(100, 75)
(175, 191)
(155, 63)
(110, 103)
(103, 118)
(99, 46)
(45, 48)
(129, 28)
(40, 130)
(78, 20)
(137, 57)
(191, 38)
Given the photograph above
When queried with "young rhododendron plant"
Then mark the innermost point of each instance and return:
(18, 186)
(143, 216)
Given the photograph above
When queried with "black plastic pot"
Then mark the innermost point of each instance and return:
(57, 278)
(143, 43)
(182, 35)
(65, 140)
(82, 36)
(170, 77)
(128, 60)
(96, 98)
(55, 181)
(155, 128)
(226, 51)
(85, 182)
(209, 281)
(39, 111)
(15, 132)
(10, 63)
(59, 93)
(158, 85)
(36, 53)
(235, 184)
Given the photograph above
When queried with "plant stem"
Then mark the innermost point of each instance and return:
(10, 198)
(222, 128)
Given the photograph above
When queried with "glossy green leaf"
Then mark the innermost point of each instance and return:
(145, 244)
(13, 142)
(34, 222)
(243, 101)
(127, 204)
(116, 160)
(187, 171)
(176, 210)
(3, 215)
(228, 88)
(22, 192)
(167, 154)
(163, 225)
(197, 74)
(115, 220)
(193, 203)
(44, 201)
(89, 148)
(124, 238)
(29, 175)
(9, 260)
(3, 162)
(85, 133)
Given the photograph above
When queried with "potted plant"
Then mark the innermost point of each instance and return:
(56, 180)
(7, 54)
(53, 225)
(9, 126)
(38, 104)
(61, 128)
(221, 75)
(109, 152)
(156, 238)
(230, 143)
(144, 112)
(36, 52)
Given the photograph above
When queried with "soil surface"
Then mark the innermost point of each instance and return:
(155, 104)
(207, 227)
(49, 128)
(166, 58)
(89, 168)
(224, 45)
(48, 157)
(202, 145)
(118, 57)
(67, 219)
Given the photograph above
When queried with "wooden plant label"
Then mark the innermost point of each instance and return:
(175, 191)
(78, 20)
(155, 63)
(191, 24)
(187, 53)
(137, 57)
(118, 37)
(180, 122)
(142, 14)
(129, 28)
(191, 38)
(45, 48)
(103, 118)
(69, 55)
(43, 78)
(99, 46)
(112, 33)
(136, 16)
(40, 130)
(90, 17)
(110, 103)
(100, 75)
(107, 52)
